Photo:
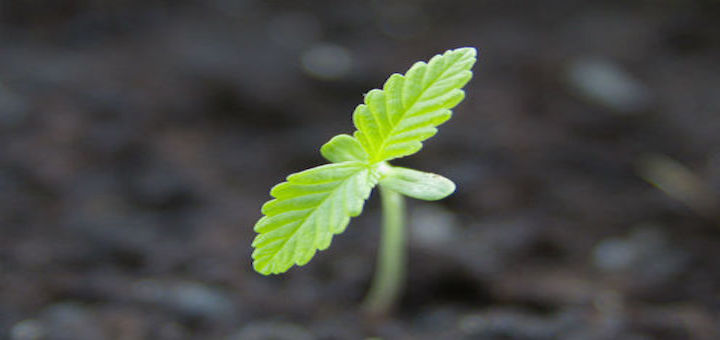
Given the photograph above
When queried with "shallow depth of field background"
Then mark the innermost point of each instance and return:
(138, 140)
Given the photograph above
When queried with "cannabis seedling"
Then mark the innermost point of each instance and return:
(313, 205)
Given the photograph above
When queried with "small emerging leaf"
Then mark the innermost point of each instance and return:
(417, 184)
(343, 148)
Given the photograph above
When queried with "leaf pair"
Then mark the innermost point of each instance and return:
(313, 205)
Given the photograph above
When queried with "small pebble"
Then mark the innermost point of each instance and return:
(27, 330)
(327, 61)
(61, 321)
(645, 253)
(188, 298)
(606, 84)
(272, 330)
(432, 226)
(516, 325)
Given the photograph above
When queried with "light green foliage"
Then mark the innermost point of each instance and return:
(307, 210)
(417, 184)
(343, 148)
(395, 120)
(315, 204)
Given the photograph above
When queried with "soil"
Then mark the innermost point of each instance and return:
(138, 140)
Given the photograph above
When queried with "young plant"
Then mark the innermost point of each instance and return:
(315, 204)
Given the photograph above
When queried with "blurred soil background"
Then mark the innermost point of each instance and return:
(138, 140)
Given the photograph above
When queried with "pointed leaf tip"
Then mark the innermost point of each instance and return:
(393, 122)
(468, 51)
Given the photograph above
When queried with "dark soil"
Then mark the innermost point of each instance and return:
(138, 140)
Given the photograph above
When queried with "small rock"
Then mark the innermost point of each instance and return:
(645, 253)
(615, 254)
(516, 325)
(27, 330)
(63, 321)
(433, 226)
(272, 330)
(327, 61)
(191, 299)
(443, 317)
(606, 84)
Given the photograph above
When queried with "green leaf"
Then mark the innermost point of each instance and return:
(343, 148)
(315, 204)
(394, 121)
(416, 184)
(308, 209)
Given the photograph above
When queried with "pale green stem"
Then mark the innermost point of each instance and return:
(391, 262)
